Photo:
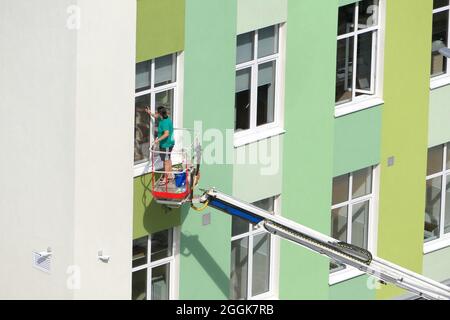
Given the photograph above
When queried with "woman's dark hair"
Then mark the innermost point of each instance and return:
(163, 112)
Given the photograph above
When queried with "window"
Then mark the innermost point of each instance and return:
(351, 210)
(437, 209)
(156, 85)
(257, 104)
(251, 257)
(440, 38)
(357, 45)
(153, 266)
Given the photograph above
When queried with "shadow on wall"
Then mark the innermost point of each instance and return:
(192, 246)
(156, 217)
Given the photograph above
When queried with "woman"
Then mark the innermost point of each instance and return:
(165, 138)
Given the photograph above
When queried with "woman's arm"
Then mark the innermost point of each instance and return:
(149, 112)
(164, 136)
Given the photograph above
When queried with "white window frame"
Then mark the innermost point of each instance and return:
(177, 116)
(444, 238)
(375, 96)
(272, 293)
(443, 79)
(172, 260)
(351, 272)
(256, 133)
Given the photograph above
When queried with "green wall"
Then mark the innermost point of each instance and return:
(256, 14)
(345, 2)
(354, 289)
(250, 183)
(439, 128)
(308, 143)
(160, 28)
(356, 146)
(436, 265)
(209, 84)
(148, 216)
(357, 140)
(404, 135)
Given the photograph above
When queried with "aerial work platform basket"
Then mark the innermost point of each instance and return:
(173, 188)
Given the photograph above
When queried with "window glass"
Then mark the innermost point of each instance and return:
(245, 47)
(349, 213)
(339, 223)
(165, 99)
(140, 249)
(139, 285)
(439, 38)
(435, 159)
(448, 156)
(261, 264)
(155, 86)
(255, 93)
(238, 226)
(344, 70)
(364, 61)
(346, 19)
(447, 206)
(440, 3)
(340, 189)
(243, 83)
(143, 76)
(160, 282)
(362, 183)
(266, 93)
(266, 204)
(339, 227)
(161, 246)
(239, 269)
(267, 42)
(141, 130)
(433, 208)
(356, 78)
(368, 14)
(165, 70)
(360, 224)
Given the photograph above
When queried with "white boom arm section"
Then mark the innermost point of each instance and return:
(353, 256)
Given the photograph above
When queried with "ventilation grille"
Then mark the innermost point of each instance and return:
(41, 263)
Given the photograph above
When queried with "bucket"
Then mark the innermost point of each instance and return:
(180, 179)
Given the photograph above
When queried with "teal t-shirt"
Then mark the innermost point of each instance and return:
(166, 125)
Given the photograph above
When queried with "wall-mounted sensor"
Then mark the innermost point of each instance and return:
(102, 257)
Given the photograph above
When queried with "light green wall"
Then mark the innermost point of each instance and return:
(209, 96)
(148, 216)
(436, 265)
(308, 143)
(439, 128)
(345, 2)
(357, 140)
(160, 28)
(255, 14)
(354, 289)
(404, 135)
(356, 146)
(253, 182)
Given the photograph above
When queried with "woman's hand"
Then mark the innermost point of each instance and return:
(148, 111)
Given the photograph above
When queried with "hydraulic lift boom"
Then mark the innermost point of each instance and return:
(345, 253)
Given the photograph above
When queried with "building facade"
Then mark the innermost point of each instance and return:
(334, 114)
